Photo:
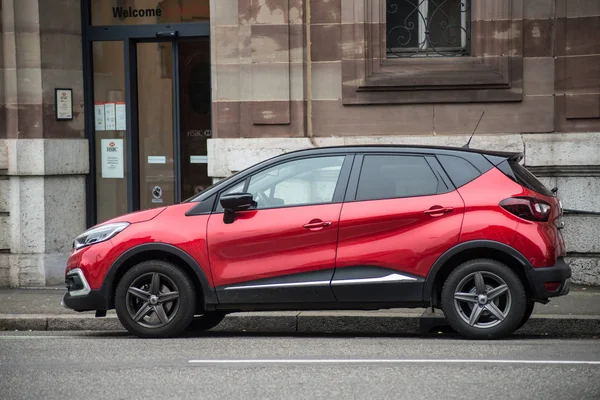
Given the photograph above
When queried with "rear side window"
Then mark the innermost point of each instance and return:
(458, 169)
(392, 176)
(525, 178)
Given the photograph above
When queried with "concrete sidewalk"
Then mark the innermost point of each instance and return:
(577, 314)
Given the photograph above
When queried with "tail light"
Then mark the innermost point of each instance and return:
(528, 208)
(551, 286)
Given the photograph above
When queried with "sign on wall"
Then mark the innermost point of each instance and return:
(112, 158)
(64, 104)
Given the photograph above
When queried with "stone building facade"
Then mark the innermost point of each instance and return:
(284, 75)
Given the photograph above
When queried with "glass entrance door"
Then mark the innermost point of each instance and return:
(174, 104)
(195, 103)
(156, 124)
(161, 157)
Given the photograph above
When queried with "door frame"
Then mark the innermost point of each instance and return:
(130, 35)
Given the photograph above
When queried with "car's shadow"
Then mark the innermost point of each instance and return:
(435, 334)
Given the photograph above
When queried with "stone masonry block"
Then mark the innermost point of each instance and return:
(4, 270)
(3, 154)
(64, 211)
(576, 192)
(4, 232)
(27, 214)
(562, 149)
(48, 156)
(581, 233)
(4, 195)
(66, 157)
(586, 271)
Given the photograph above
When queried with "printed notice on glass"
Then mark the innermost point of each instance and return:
(120, 116)
(157, 160)
(112, 158)
(109, 114)
(99, 116)
(198, 159)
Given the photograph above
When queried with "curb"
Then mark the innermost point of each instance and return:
(313, 323)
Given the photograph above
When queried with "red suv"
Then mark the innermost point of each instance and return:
(367, 227)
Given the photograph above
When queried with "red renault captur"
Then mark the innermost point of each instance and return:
(367, 227)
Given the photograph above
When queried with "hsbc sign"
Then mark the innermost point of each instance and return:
(112, 148)
(112, 158)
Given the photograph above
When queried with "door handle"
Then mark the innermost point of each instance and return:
(438, 210)
(319, 224)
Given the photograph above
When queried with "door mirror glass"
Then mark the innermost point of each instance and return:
(237, 201)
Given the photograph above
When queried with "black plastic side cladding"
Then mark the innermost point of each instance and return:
(108, 285)
(471, 245)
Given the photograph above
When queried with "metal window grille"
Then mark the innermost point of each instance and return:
(427, 28)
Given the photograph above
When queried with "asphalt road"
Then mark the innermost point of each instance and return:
(59, 365)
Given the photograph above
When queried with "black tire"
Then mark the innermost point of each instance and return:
(177, 313)
(528, 312)
(206, 321)
(510, 303)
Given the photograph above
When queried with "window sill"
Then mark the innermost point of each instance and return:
(451, 80)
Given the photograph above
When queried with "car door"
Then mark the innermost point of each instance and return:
(283, 249)
(401, 214)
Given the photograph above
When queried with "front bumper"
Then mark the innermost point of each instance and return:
(79, 296)
(558, 273)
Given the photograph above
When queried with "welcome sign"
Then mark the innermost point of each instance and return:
(190, 10)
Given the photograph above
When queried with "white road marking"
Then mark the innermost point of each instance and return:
(18, 337)
(394, 361)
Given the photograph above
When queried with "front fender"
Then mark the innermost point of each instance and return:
(108, 286)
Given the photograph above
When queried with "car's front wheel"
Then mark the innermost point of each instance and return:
(155, 299)
(484, 299)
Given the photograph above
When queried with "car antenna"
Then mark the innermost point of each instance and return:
(466, 146)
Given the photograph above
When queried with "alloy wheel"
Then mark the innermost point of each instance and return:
(152, 300)
(482, 299)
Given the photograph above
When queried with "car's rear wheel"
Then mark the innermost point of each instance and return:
(484, 299)
(206, 321)
(155, 299)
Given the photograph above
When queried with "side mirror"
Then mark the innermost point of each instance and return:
(237, 201)
(233, 202)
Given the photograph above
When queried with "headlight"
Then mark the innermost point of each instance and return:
(99, 234)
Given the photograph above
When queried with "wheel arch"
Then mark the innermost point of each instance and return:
(160, 251)
(462, 252)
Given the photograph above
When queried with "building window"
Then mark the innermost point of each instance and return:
(428, 28)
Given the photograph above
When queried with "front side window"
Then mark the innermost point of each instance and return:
(395, 176)
(428, 28)
(299, 182)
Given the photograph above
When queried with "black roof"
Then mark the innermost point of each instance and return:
(516, 156)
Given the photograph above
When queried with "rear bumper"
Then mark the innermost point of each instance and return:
(559, 272)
